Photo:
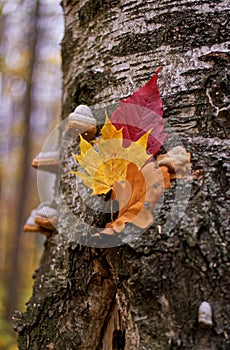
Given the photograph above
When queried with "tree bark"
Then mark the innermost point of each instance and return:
(143, 294)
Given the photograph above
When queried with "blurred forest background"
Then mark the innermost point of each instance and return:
(30, 102)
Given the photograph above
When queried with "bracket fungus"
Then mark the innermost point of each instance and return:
(42, 219)
(82, 121)
(205, 315)
(47, 161)
(46, 217)
(177, 160)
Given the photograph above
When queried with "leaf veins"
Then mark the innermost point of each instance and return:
(141, 112)
(141, 186)
(108, 164)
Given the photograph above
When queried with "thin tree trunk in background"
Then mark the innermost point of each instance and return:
(2, 25)
(22, 195)
(144, 294)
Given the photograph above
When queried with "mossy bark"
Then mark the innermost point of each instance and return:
(144, 294)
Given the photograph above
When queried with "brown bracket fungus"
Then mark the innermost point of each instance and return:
(31, 226)
(46, 217)
(47, 161)
(82, 121)
(177, 160)
(42, 219)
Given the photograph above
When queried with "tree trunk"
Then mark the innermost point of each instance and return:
(13, 279)
(143, 293)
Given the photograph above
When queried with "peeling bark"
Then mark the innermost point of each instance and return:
(144, 294)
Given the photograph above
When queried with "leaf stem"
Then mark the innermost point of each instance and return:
(111, 209)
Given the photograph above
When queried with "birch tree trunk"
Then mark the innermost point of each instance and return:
(143, 294)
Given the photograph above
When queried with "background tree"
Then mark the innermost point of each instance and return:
(30, 92)
(144, 294)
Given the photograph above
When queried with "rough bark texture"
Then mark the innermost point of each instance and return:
(144, 294)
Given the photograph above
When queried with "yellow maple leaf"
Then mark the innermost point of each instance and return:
(108, 164)
(141, 186)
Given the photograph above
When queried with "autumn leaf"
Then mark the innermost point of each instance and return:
(141, 186)
(108, 164)
(141, 112)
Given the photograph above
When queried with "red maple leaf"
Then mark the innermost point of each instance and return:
(141, 112)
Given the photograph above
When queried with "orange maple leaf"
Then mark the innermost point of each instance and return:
(141, 186)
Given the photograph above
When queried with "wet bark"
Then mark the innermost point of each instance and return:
(143, 294)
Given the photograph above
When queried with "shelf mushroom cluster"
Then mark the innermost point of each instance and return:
(44, 218)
